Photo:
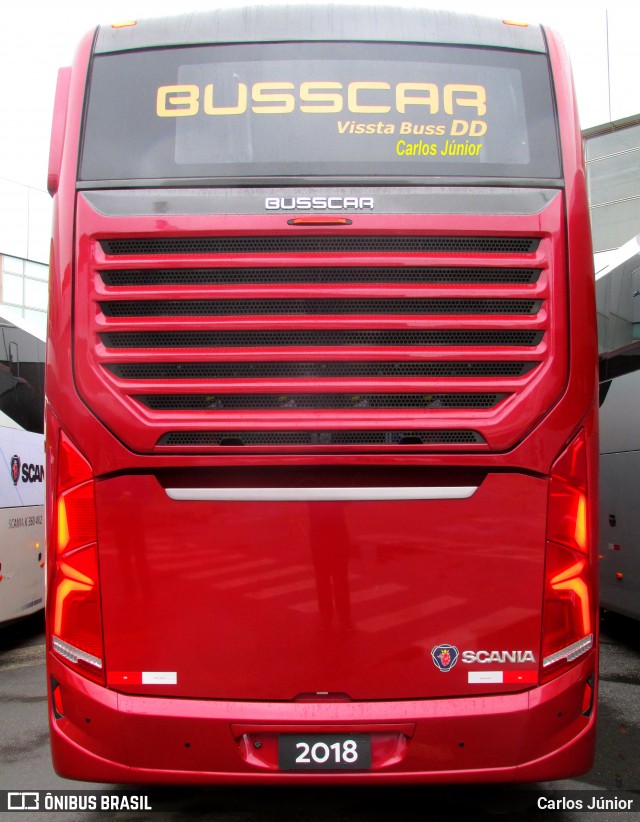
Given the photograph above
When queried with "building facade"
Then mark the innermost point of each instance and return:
(612, 155)
(25, 229)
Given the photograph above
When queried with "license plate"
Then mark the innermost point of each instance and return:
(331, 752)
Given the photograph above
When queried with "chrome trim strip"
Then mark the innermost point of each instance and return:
(73, 654)
(571, 652)
(321, 494)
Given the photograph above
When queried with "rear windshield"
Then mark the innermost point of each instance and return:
(319, 109)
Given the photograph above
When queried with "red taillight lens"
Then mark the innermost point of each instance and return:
(73, 469)
(567, 517)
(76, 620)
(568, 622)
(76, 518)
(568, 609)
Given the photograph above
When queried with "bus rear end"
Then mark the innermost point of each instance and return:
(321, 499)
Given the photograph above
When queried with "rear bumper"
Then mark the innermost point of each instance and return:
(530, 736)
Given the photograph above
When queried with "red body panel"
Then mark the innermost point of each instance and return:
(289, 598)
(530, 736)
(228, 623)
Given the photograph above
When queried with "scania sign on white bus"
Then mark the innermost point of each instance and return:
(25, 471)
(21, 468)
(21, 522)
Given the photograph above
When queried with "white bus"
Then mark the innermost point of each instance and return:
(619, 483)
(22, 550)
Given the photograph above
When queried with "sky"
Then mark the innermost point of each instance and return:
(39, 36)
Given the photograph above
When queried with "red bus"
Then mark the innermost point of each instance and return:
(321, 417)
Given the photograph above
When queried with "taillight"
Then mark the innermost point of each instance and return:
(567, 517)
(568, 620)
(76, 619)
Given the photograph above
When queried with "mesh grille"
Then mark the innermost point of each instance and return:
(254, 276)
(261, 339)
(191, 308)
(234, 402)
(341, 342)
(318, 438)
(292, 245)
(312, 370)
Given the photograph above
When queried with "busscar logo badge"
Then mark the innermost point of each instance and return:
(331, 203)
(445, 657)
(15, 468)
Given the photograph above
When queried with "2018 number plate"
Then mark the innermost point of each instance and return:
(324, 753)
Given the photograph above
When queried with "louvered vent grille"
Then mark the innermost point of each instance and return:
(232, 308)
(362, 274)
(319, 339)
(241, 402)
(230, 439)
(338, 343)
(313, 370)
(321, 245)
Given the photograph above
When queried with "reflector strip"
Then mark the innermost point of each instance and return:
(521, 677)
(159, 678)
(484, 677)
(124, 678)
(503, 677)
(571, 652)
(320, 494)
(58, 707)
(74, 654)
(142, 678)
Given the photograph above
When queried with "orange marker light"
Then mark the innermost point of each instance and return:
(319, 221)
(515, 23)
(580, 534)
(63, 526)
(124, 25)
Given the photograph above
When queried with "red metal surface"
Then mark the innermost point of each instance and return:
(268, 601)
